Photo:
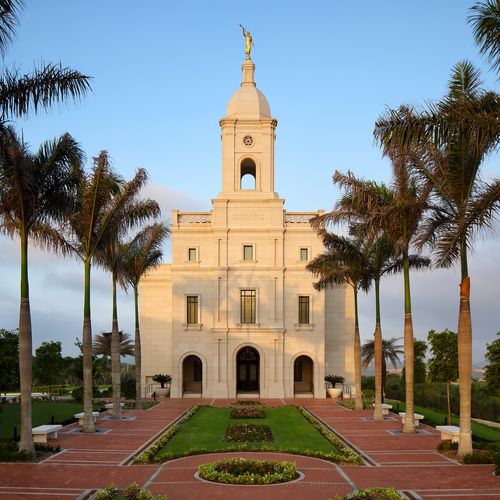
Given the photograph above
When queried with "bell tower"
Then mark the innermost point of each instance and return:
(248, 135)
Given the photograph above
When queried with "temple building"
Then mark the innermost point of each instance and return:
(235, 313)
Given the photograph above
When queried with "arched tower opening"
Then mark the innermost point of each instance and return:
(248, 174)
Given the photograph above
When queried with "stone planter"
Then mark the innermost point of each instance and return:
(162, 392)
(334, 392)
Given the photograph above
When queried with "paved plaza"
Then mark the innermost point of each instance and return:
(406, 462)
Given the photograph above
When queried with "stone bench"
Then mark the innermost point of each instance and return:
(385, 408)
(109, 407)
(449, 432)
(416, 417)
(81, 416)
(44, 432)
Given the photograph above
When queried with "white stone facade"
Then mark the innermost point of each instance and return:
(236, 313)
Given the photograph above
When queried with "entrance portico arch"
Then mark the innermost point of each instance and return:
(247, 370)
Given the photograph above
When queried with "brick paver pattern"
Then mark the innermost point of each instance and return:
(406, 462)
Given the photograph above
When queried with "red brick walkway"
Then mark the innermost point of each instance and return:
(88, 462)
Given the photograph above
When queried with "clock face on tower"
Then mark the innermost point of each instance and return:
(248, 141)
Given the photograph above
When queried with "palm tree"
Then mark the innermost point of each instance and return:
(457, 133)
(343, 262)
(35, 191)
(101, 345)
(45, 86)
(390, 354)
(372, 209)
(485, 21)
(105, 208)
(143, 253)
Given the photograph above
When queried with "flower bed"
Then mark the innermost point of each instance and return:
(131, 492)
(244, 471)
(247, 403)
(247, 413)
(372, 494)
(242, 433)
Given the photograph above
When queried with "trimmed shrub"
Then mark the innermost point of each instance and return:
(131, 492)
(247, 413)
(244, 471)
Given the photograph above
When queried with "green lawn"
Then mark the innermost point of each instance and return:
(437, 417)
(42, 412)
(207, 427)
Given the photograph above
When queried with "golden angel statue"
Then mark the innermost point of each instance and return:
(248, 42)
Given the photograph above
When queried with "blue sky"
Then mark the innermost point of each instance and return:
(163, 73)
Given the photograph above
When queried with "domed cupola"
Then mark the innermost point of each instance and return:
(248, 102)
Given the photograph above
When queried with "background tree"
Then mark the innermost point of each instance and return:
(492, 369)
(101, 344)
(485, 20)
(443, 365)
(35, 193)
(48, 364)
(9, 356)
(419, 366)
(456, 135)
(390, 354)
(142, 254)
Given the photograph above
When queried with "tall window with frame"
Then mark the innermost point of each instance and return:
(304, 254)
(248, 252)
(192, 310)
(303, 309)
(247, 306)
(192, 254)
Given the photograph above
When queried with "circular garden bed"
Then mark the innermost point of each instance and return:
(245, 471)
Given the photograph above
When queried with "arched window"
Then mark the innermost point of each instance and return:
(247, 174)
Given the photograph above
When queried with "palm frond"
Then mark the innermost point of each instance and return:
(485, 21)
(9, 14)
(40, 89)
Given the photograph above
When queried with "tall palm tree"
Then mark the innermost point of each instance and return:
(105, 207)
(101, 344)
(485, 20)
(344, 262)
(371, 209)
(45, 86)
(458, 133)
(390, 354)
(143, 253)
(35, 192)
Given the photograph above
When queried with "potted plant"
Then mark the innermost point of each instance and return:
(162, 380)
(332, 380)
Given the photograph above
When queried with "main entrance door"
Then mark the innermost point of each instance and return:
(247, 366)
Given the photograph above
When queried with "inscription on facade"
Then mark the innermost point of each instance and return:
(246, 217)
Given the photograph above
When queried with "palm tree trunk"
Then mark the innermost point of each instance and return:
(408, 421)
(377, 353)
(358, 404)
(384, 376)
(464, 359)
(88, 420)
(115, 357)
(137, 352)
(25, 353)
(448, 400)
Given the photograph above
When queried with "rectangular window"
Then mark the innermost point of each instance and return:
(304, 309)
(192, 309)
(304, 254)
(192, 254)
(248, 252)
(247, 307)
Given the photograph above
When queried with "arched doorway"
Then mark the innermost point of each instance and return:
(303, 377)
(192, 376)
(247, 370)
